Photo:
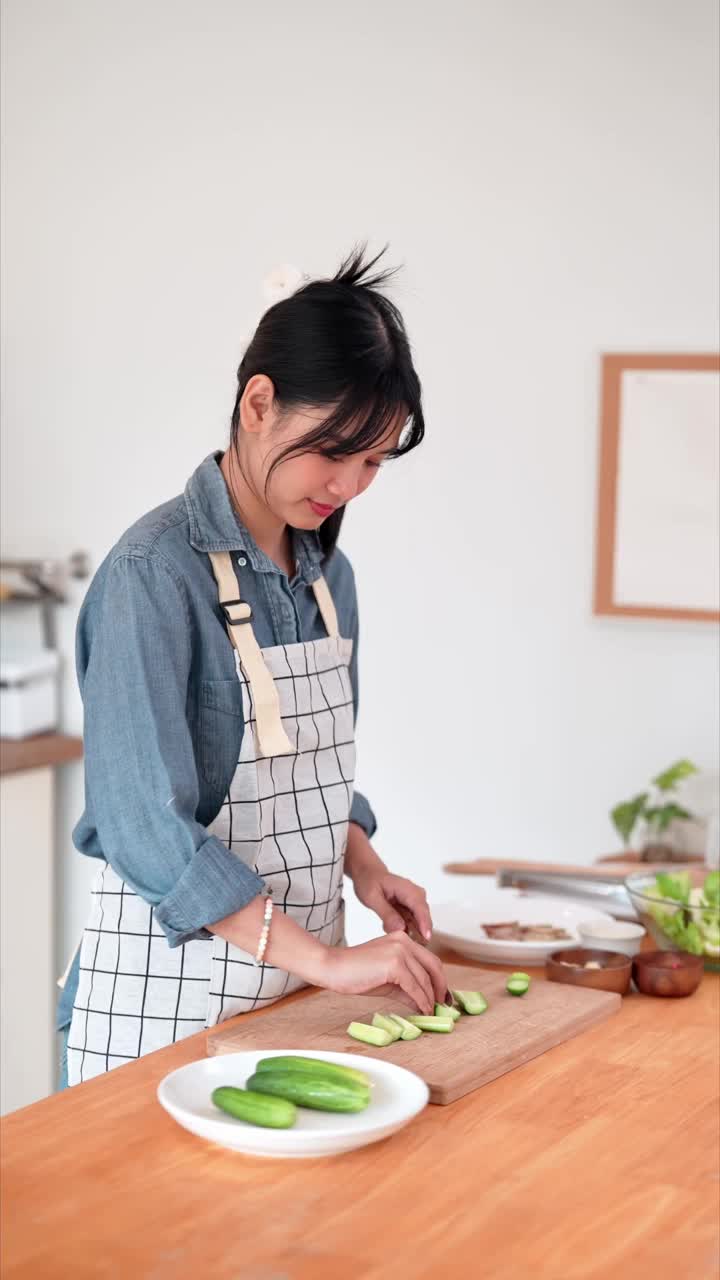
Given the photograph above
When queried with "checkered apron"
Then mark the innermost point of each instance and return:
(285, 815)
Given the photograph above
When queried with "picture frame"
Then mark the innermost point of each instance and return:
(657, 551)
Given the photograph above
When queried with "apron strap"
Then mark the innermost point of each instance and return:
(326, 606)
(272, 737)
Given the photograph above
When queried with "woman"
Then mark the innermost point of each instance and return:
(217, 658)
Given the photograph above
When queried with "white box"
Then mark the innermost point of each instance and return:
(29, 694)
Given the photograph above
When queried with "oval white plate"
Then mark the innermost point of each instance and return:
(459, 925)
(397, 1096)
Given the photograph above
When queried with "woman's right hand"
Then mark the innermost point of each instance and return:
(389, 966)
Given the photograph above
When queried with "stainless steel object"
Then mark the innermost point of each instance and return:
(594, 891)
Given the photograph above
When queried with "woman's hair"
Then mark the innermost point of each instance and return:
(341, 343)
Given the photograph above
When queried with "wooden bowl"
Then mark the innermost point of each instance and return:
(568, 966)
(667, 973)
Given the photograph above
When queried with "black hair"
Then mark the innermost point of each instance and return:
(342, 342)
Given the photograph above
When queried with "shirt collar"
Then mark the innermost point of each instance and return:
(215, 525)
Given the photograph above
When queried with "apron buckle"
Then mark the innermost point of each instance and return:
(227, 605)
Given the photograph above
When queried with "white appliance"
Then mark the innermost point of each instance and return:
(28, 693)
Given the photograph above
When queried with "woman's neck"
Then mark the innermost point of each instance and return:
(270, 534)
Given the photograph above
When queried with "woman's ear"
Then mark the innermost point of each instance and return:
(257, 411)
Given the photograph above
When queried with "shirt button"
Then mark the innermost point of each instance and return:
(242, 561)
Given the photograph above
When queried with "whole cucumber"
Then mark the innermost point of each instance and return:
(309, 1091)
(255, 1108)
(317, 1068)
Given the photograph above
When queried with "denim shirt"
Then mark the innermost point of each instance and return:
(163, 705)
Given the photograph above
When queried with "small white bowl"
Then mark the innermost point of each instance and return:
(612, 935)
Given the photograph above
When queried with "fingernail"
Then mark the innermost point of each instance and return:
(428, 934)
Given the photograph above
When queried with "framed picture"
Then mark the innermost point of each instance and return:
(658, 509)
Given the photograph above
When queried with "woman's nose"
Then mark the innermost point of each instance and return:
(343, 484)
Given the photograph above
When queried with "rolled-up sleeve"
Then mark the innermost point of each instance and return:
(360, 812)
(141, 775)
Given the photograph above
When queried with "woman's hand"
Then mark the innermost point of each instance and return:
(400, 903)
(392, 966)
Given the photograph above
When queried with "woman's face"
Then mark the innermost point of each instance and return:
(303, 490)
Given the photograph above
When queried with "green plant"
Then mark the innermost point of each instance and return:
(656, 808)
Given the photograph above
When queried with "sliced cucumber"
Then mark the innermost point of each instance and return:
(407, 1030)
(447, 1011)
(472, 1002)
(430, 1023)
(316, 1067)
(518, 984)
(370, 1035)
(307, 1091)
(255, 1108)
(386, 1024)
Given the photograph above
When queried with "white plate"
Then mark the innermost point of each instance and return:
(397, 1096)
(459, 926)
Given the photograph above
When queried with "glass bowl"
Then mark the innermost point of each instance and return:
(674, 926)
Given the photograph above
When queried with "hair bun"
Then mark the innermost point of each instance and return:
(282, 282)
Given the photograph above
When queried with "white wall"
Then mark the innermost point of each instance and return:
(548, 172)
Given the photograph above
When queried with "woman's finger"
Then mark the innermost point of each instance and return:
(409, 924)
(424, 981)
(415, 901)
(390, 913)
(409, 987)
(436, 972)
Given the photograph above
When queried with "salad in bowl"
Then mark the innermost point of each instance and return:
(679, 914)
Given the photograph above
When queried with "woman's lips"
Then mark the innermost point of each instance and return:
(321, 508)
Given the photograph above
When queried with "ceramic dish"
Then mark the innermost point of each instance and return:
(397, 1096)
(609, 970)
(613, 935)
(460, 925)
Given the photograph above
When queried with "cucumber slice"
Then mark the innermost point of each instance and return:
(407, 1030)
(447, 1011)
(430, 1023)
(472, 1002)
(369, 1035)
(255, 1108)
(317, 1068)
(308, 1091)
(386, 1024)
(518, 984)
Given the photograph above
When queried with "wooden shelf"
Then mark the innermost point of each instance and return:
(45, 749)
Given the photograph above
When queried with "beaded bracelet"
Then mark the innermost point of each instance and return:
(265, 934)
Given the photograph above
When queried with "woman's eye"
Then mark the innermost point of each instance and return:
(374, 465)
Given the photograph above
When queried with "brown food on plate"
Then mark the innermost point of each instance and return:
(515, 932)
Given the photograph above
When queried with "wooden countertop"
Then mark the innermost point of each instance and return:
(45, 749)
(597, 1160)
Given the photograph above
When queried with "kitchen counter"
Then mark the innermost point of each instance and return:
(597, 1160)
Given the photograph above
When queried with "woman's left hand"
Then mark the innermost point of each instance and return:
(400, 903)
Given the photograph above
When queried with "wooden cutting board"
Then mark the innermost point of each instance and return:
(512, 1030)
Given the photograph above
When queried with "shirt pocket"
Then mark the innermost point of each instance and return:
(221, 730)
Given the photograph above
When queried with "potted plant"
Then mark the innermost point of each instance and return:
(646, 818)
